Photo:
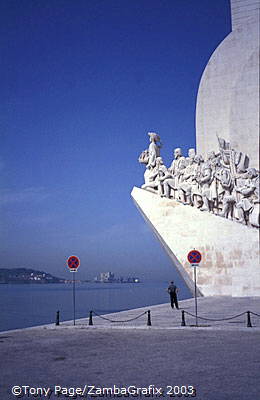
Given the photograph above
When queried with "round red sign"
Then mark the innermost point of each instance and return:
(73, 262)
(194, 257)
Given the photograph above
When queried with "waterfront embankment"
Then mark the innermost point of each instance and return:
(219, 359)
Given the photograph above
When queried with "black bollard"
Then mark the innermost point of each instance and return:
(149, 323)
(90, 321)
(183, 323)
(57, 318)
(249, 325)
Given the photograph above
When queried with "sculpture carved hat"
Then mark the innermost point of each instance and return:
(155, 136)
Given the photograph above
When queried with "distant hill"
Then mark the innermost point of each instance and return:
(25, 275)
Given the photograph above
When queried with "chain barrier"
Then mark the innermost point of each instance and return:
(249, 323)
(149, 323)
(257, 315)
(216, 320)
(126, 320)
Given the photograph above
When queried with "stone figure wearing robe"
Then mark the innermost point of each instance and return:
(225, 188)
(148, 156)
(196, 191)
(208, 188)
(154, 149)
(248, 206)
(188, 178)
(155, 183)
(175, 173)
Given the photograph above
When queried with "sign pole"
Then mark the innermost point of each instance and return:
(195, 287)
(73, 264)
(194, 258)
(74, 298)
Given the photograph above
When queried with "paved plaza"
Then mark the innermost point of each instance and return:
(220, 360)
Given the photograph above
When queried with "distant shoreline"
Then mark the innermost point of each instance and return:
(66, 282)
(30, 283)
(28, 276)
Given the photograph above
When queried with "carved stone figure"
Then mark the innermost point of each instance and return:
(196, 192)
(240, 160)
(175, 174)
(149, 155)
(156, 177)
(250, 199)
(154, 149)
(191, 155)
(222, 184)
(225, 188)
(208, 191)
(189, 183)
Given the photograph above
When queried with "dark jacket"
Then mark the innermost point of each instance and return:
(172, 289)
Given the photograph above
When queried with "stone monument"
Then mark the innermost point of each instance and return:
(228, 95)
(209, 200)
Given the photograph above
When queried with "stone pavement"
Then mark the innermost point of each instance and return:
(221, 361)
(162, 316)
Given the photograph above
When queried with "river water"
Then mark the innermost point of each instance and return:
(28, 305)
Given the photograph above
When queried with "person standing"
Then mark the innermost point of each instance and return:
(173, 290)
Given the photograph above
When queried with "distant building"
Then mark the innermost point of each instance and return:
(109, 277)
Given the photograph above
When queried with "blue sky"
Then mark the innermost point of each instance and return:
(82, 82)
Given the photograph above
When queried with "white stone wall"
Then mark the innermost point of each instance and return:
(243, 12)
(228, 95)
(230, 251)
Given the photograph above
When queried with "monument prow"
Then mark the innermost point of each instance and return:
(137, 195)
(230, 264)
